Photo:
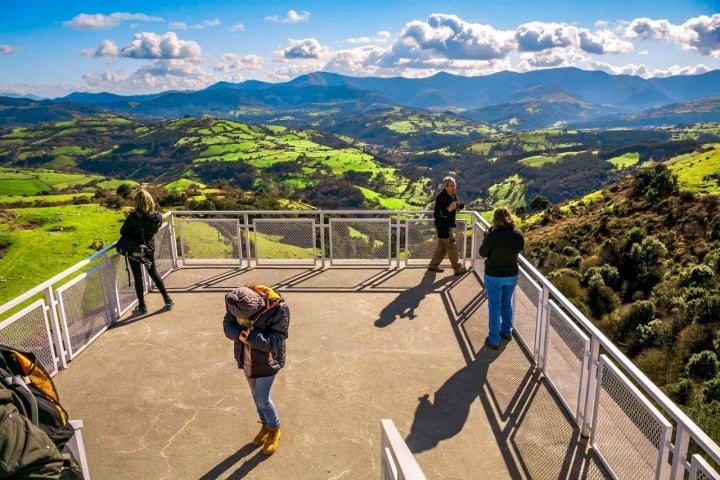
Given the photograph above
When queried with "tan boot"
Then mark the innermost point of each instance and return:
(271, 441)
(260, 437)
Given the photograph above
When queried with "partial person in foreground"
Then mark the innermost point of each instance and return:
(257, 321)
(501, 247)
(142, 224)
(446, 206)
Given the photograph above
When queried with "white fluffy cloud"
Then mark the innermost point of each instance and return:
(305, 49)
(292, 16)
(450, 37)
(6, 49)
(700, 34)
(153, 46)
(99, 21)
(230, 62)
(153, 76)
(538, 36)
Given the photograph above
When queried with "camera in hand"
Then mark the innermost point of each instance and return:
(460, 206)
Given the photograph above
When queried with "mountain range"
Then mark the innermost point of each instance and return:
(509, 100)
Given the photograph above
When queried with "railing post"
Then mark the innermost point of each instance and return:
(55, 327)
(591, 386)
(679, 451)
(398, 230)
(541, 321)
(246, 223)
(173, 245)
(322, 240)
(109, 288)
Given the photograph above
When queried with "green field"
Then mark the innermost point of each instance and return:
(43, 242)
(626, 160)
(699, 172)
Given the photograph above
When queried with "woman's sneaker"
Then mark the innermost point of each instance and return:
(140, 310)
(169, 304)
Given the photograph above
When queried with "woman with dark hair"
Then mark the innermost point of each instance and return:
(141, 225)
(501, 246)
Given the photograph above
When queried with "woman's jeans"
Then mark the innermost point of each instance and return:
(500, 312)
(260, 388)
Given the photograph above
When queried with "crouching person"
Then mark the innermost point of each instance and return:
(257, 320)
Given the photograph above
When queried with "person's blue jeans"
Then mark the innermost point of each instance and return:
(260, 388)
(500, 312)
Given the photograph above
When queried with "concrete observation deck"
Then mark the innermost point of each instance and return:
(161, 397)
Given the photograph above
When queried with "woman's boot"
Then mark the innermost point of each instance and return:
(260, 437)
(271, 440)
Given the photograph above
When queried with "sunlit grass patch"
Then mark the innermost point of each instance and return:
(626, 160)
(699, 172)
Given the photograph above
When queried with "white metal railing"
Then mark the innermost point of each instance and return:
(60, 317)
(396, 459)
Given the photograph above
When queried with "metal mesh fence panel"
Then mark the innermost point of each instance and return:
(360, 241)
(83, 310)
(163, 250)
(124, 283)
(421, 240)
(29, 330)
(527, 300)
(567, 347)
(208, 241)
(288, 241)
(629, 434)
(701, 469)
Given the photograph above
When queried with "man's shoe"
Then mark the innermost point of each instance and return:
(490, 345)
(169, 304)
(506, 337)
(460, 271)
(435, 269)
(140, 310)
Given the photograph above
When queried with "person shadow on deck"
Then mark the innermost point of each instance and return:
(404, 305)
(445, 416)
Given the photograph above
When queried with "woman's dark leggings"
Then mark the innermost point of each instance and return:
(136, 268)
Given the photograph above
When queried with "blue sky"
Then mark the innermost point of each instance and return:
(50, 48)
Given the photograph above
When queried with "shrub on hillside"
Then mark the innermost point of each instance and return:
(704, 309)
(703, 365)
(713, 259)
(700, 274)
(640, 313)
(711, 392)
(680, 392)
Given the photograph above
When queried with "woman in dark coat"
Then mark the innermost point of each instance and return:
(141, 225)
(500, 247)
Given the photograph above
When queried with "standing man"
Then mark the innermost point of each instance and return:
(446, 205)
(500, 247)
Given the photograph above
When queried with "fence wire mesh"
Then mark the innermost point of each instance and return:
(29, 330)
(566, 349)
(628, 432)
(213, 240)
(124, 283)
(700, 469)
(84, 311)
(360, 241)
(284, 241)
(421, 240)
(527, 301)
